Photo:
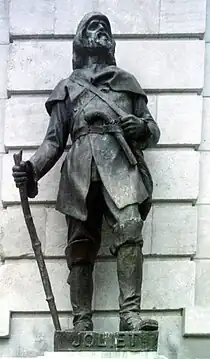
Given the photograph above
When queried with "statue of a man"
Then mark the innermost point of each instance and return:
(97, 178)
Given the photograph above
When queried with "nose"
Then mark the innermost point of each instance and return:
(101, 26)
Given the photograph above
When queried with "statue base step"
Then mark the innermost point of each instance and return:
(103, 355)
(142, 341)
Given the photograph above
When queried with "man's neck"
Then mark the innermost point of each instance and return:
(95, 63)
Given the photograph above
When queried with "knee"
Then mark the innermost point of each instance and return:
(80, 252)
(127, 233)
(130, 230)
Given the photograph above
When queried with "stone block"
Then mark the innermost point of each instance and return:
(205, 134)
(68, 14)
(204, 186)
(22, 289)
(174, 229)
(134, 17)
(202, 282)
(4, 22)
(169, 328)
(14, 237)
(29, 114)
(206, 90)
(165, 64)
(28, 18)
(56, 235)
(175, 173)
(2, 116)
(101, 355)
(207, 32)
(5, 320)
(125, 21)
(174, 178)
(180, 119)
(159, 290)
(196, 321)
(3, 70)
(31, 335)
(182, 16)
(203, 241)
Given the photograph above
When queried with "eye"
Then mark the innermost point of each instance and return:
(93, 25)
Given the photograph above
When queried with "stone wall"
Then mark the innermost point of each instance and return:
(162, 43)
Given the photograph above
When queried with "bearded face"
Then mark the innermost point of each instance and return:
(98, 36)
(93, 38)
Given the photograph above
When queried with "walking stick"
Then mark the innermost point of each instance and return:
(36, 245)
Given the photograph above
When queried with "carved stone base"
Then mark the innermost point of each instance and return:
(95, 341)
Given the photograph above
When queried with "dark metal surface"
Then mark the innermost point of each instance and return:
(36, 245)
(142, 341)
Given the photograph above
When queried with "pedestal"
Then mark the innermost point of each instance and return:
(141, 341)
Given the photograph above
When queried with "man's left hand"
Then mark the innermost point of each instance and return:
(133, 126)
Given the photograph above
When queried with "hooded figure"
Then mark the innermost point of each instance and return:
(96, 177)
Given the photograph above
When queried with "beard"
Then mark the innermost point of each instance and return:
(99, 42)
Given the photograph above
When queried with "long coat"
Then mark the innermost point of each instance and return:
(69, 106)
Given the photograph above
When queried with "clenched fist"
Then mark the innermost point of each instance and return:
(21, 173)
(134, 127)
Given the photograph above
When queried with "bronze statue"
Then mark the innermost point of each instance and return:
(104, 110)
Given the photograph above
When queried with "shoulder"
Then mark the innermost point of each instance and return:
(58, 94)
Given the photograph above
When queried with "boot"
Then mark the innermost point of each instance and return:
(81, 292)
(129, 271)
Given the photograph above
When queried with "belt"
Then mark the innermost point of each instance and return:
(101, 130)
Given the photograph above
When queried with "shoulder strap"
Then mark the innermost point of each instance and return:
(103, 97)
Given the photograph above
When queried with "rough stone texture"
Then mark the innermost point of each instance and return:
(206, 90)
(174, 229)
(32, 334)
(175, 173)
(21, 285)
(205, 138)
(18, 276)
(204, 185)
(100, 355)
(175, 114)
(26, 17)
(56, 235)
(4, 31)
(196, 321)
(207, 31)
(203, 242)
(179, 118)
(166, 64)
(181, 181)
(68, 14)
(28, 114)
(3, 70)
(182, 16)
(202, 283)
(135, 16)
(5, 320)
(159, 290)
(127, 20)
(14, 237)
(2, 112)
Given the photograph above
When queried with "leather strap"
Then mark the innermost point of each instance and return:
(95, 129)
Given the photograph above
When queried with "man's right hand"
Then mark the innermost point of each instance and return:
(20, 173)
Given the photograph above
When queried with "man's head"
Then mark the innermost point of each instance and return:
(93, 38)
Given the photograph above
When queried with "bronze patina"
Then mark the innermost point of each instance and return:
(104, 111)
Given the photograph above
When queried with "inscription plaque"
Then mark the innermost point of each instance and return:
(96, 341)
